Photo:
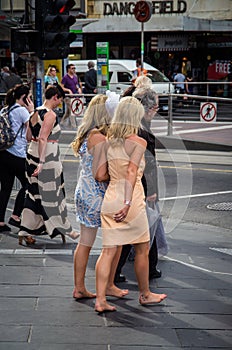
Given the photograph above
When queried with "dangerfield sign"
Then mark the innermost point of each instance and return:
(157, 7)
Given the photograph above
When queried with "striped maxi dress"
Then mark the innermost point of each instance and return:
(45, 210)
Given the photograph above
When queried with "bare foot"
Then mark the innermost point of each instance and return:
(103, 307)
(85, 294)
(151, 298)
(114, 291)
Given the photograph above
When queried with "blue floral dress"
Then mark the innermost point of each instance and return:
(89, 193)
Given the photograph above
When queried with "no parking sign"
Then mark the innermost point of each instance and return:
(208, 112)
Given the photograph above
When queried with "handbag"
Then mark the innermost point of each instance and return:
(153, 216)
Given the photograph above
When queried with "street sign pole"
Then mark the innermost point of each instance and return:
(142, 46)
(142, 12)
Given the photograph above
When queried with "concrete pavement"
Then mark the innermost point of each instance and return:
(37, 310)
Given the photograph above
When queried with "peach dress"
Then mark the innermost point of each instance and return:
(134, 228)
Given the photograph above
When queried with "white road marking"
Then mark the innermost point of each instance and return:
(195, 195)
(190, 131)
(197, 267)
(222, 250)
(36, 251)
(32, 251)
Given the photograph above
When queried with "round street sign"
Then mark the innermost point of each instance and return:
(77, 106)
(143, 11)
(208, 111)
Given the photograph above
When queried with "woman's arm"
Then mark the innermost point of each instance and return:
(97, 146)
(47, 125)
(28, 132)
(33, 121)
(135, 148)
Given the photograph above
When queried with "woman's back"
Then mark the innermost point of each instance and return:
(118, 161)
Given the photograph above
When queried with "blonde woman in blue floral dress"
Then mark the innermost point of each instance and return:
(89, 193)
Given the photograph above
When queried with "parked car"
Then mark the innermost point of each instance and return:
(120, 77)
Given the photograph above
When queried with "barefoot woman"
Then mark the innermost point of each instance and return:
(89, 193)
(123, 215)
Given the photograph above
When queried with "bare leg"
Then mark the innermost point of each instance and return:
(73, 120)
(112, 289)
(67, 113)
(81, 257)
(103, 269)
(142, 272)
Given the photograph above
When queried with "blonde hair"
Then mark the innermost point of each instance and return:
(49, 70)
(95, 116)
(126, 120)
(143, 81)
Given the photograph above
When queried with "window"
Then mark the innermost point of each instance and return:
(124, 77)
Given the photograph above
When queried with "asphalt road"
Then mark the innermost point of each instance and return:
(200, 184)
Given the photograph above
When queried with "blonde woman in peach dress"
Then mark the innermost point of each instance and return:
(123, 214)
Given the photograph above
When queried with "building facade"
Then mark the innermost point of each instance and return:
(187, 35)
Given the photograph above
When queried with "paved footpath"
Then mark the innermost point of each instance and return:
(37, 311)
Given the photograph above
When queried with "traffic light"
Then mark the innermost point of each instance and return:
(24, 40)
(53, 21)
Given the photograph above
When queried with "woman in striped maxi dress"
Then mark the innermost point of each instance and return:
(45, 210)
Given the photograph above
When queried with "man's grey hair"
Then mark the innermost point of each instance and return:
(147, 97)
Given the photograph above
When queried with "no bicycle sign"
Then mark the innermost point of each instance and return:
(208, 112)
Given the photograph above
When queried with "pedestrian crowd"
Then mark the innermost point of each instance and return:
(117, 187)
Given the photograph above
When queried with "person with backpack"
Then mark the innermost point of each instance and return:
(19, 106)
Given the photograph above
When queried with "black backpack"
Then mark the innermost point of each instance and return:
(7, 135)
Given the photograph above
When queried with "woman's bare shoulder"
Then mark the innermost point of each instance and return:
(49, 114)
(95, 137)
(138, 140)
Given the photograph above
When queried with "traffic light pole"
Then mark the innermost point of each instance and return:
(27, 16)
(39, 82)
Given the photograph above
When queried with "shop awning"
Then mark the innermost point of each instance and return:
(157, 24)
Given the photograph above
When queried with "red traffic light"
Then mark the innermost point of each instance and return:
(53, 21)
(64, 6)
